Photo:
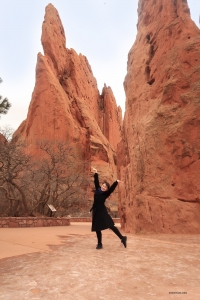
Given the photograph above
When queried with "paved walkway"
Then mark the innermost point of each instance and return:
(62, 263)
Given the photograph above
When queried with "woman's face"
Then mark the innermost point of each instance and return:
(104, 187)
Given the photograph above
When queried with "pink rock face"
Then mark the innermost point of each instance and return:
(111, 117)
(159, 155)
(2, 138)
(53, 39)
(66, 104)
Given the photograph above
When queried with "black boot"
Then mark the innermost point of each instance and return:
(124, 241)
(99, 246)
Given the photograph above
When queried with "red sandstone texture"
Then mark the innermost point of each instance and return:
(2, 138)
(159, 156)
(110, 117)
(67, 106)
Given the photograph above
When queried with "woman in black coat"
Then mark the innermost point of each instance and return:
(100, 218)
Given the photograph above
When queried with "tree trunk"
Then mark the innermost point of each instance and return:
(23, 197)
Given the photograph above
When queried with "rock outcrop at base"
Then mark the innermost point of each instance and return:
(67, 106)
(159, 155)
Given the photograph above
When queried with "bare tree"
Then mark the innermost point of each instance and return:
(7, 131)
(14, 163)
(60, 178)
(54, 176)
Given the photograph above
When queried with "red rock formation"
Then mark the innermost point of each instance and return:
(159, 156)
(111, 116)
(2, 138)
(66, 104)
(53, 39)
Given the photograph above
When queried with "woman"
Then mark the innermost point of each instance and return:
(100, 218)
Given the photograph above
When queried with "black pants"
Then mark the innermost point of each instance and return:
(113, 228)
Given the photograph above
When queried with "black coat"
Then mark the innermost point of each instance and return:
(100, 218)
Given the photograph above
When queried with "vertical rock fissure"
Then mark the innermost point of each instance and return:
(147, 73)
(175, 8)
(149, 80)
(152, 51)
(150, 211)
(148, 38)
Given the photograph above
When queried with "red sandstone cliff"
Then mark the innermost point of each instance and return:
(159, 156)
(67, 106)
(110, 117)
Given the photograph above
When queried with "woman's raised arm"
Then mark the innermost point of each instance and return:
(113, 186)
(96, 179)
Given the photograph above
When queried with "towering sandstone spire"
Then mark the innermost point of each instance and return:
(159, 156)
(66, 104)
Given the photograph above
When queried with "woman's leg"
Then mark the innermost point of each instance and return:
(99, 237)
(117, 232)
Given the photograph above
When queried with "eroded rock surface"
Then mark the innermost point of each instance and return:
(2, 138)
(159, 156)
(111, 117)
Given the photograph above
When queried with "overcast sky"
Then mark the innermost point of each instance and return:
(102, 30)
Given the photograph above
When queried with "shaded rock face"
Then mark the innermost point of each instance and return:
(67, 106)
(159, 155)
(2, 138)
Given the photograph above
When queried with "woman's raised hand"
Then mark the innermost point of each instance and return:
(94, 170)
(119, 181)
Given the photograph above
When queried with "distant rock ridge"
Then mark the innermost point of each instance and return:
(159, 155)
(67, 106)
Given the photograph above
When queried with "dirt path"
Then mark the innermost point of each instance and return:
(62, 263)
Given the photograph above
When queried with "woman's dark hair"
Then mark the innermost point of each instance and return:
(107, 184)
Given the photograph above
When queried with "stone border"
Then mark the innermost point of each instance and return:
(88, 219)
(11, 222)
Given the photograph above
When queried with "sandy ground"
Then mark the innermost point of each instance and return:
(62, 263)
